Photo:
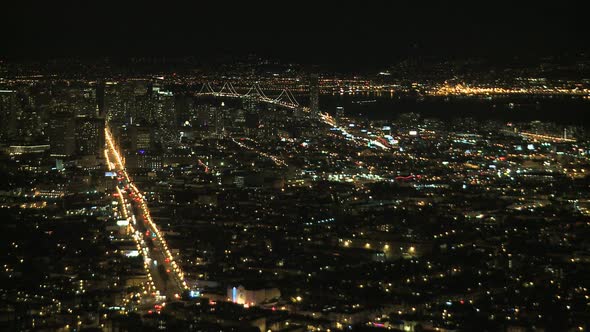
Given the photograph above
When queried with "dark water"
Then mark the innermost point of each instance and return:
(561, 109)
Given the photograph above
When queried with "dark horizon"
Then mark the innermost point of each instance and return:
(342, 35)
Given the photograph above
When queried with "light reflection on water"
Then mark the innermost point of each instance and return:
(386, 105)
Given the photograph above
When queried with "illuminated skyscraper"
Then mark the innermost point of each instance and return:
(314, 95)
(218, 122)
(89, 136)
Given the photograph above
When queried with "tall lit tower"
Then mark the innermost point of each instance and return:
(314, 94)
(100, 102)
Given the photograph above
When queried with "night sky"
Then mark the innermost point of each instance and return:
(293, 31)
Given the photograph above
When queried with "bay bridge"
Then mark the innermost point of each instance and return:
(284, 99)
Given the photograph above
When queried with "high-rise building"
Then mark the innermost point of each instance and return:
(22, 120)
(201, 119)
(62, 134)
(250, 104)
(100, 98)
(314, 95)
(9, 110)
(83, 101)
(90, 136)
(183, 106)
(218, 121)
(140, 138)
(252, 121)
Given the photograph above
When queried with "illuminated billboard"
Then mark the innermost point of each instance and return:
(122, 222)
